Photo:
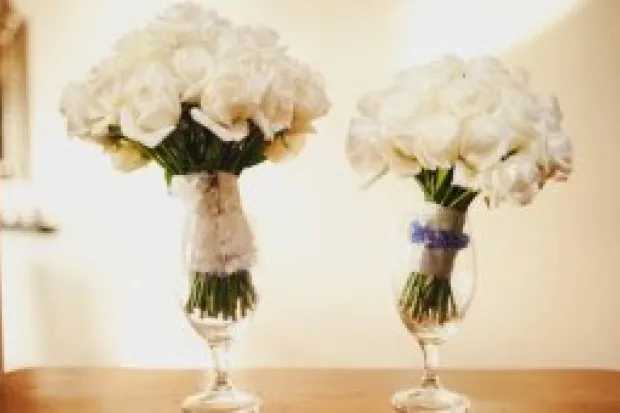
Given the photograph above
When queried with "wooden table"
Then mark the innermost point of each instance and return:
(306, 391)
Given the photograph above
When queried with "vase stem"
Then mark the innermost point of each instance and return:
(220, 350)
(430, 379)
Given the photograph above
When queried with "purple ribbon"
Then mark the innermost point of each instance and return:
(435, 238)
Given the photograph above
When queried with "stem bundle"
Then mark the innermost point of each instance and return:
(230, 297)
(192, 148)
(426, 296)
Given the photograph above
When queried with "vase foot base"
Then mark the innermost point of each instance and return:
(222, 401)
(430, 400)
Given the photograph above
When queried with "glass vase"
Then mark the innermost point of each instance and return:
(434, 285)
(218, 295)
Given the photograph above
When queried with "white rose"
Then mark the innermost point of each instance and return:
(276, 108)
(310, 99)
(110, 73)
(416, 79)
(105, 84)
(187, 17)
(82, 114)
(126, 155)
(549, 116)
(152, 106)
(192, 65)
(559, 163)
(236, 88)
(295, 95)
(484, 141)
(397, 146)
(370, 104)
(488, 69)
(189, 24)
(289, 144)
(466, 98)
(400, 107)
(285, 147)
(145, 43)
(431, 77)
(556, 157)
(261, 37)
(465, 175)
(90, 111)
(448, 67)
(184, 13)
(518, 109)
(520, 77)
(516, 180)
(253, 37)
(399, 162)
(277, 105)
(92, 106)
(437, 144)
(361, 149)
(525, 183)
(228, 101)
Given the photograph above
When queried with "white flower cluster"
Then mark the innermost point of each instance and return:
(475, 116)
(189, 54)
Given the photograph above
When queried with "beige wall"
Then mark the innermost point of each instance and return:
(99, 292)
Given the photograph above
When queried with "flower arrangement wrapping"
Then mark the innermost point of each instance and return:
(461, 129)
(204, 100)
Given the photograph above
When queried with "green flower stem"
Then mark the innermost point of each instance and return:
(446, 195)
(227, 296)
(173, 162)
(439, 188)
(159, 159)
(426, 298)
(192, 148)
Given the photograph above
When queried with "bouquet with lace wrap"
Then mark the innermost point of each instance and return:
(204, 100)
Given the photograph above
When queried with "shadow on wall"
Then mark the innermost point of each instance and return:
(577, 58)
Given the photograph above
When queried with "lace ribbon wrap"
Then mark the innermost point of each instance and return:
(217, 237)
(442, 234)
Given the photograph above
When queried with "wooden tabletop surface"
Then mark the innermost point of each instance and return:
(306, 391)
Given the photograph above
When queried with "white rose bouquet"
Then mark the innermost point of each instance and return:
(462, 129)
(204, 100)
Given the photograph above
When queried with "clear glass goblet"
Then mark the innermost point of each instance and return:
(434, 285)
